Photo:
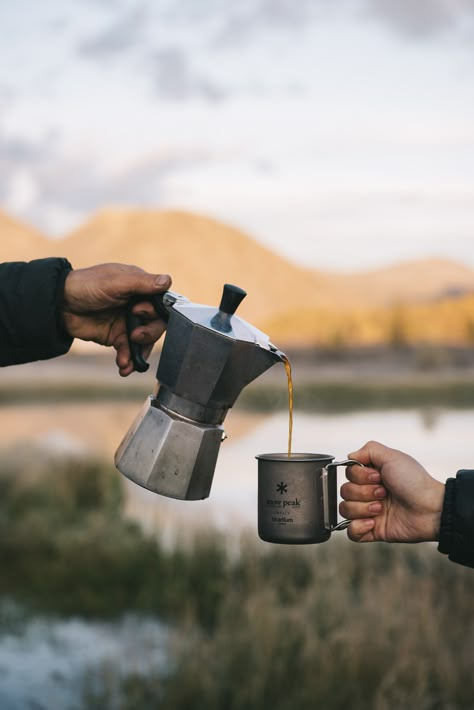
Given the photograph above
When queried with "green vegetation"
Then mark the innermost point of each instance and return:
(72, 391)
(67, 548)
(254, 625)
(336, 397)
(330, 396)
(331, 626)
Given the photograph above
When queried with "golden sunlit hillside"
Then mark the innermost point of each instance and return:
(19, 242)
(425, 301)
(411, 281)
(201, 254)
(448, 321)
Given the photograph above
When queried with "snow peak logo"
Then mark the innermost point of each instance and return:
(278, 502)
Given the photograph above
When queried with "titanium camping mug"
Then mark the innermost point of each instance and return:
(297, 497)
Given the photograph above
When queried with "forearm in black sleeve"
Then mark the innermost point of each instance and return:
(31, 296)
(456, 538)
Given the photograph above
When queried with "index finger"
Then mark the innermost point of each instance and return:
(362, 474)
(146, 310)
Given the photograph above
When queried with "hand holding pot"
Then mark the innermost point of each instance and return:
(95, 304)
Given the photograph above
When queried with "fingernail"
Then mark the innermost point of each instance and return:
(162, 281)
(374, 477)
(375, 507)
(380, 492)
(368, 523)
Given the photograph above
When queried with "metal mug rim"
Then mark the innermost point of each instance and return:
(295, 457)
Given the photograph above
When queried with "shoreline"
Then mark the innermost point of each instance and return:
(346, 379)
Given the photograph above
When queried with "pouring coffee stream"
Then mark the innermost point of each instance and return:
(287, 365)
(209, 355)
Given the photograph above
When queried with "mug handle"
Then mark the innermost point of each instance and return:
(329, 481)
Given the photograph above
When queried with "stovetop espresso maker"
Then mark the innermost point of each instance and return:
(209, 355)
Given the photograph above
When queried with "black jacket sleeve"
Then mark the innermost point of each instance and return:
(31, 295)
(456, 536)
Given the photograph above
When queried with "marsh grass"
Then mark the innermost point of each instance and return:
(328, 396)
(328, 626)
(337, 397)
(66, 546)
(255, 626)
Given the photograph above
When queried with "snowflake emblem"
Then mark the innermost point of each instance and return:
(282, 488)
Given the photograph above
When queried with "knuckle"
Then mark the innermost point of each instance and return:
(367, 494)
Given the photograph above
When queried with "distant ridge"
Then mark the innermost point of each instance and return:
(421, 280)
(200, 253)
(284, 298)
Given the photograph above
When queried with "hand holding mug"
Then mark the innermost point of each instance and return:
(392, 498)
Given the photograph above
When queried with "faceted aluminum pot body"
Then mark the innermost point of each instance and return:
(168, 454)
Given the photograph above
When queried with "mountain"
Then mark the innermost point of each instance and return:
(414, 281)
(20, 242)
(201, 254)
(286, 300)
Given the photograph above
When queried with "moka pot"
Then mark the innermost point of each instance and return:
(209, 355)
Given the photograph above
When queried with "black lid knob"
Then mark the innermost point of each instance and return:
(232, 297)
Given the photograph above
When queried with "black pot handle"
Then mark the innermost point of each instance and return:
(133, 321)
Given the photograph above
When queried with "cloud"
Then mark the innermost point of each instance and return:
(247, 18)
(167, 65)
(124, 32)
(420, 18)
(75, 184)
(178, 45)
(7, 96)
(107, 4)
(18, 153)
(236, 22)
(39, 180)
(174, 78)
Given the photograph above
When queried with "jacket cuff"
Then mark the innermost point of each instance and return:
(31, 304)
(457, 519)
(63, 335)
(447, 517)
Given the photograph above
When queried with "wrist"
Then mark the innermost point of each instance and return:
(436, 508)
(67, 314)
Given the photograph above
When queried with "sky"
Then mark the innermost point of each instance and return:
(339, 134)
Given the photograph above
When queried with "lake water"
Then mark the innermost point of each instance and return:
(439, 438)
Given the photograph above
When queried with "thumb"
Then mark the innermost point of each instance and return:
(372, 453)
(145, 284)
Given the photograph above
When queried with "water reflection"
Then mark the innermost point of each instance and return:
(430, 417)
(439, 438)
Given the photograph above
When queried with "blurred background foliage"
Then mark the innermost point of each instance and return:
(252, 625)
